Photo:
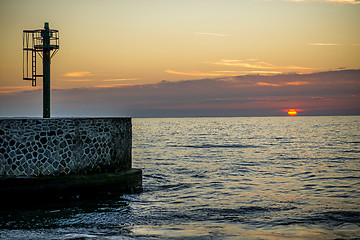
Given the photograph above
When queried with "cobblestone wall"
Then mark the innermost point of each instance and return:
(63, 146)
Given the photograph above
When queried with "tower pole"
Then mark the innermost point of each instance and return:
(46, 70)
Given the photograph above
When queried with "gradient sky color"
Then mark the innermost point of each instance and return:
(121, 43)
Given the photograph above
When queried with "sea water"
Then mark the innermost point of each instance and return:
(221, 178)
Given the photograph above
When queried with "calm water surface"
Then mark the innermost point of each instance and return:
(221, 178)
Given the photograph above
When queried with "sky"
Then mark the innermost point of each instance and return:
(164, 58)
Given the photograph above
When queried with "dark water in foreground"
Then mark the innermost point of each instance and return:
(221, 178)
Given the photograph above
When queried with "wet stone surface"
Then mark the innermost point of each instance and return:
(62, 146)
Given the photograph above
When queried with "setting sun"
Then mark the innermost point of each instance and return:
(292, 112)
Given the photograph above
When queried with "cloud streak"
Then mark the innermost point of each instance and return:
(213, 34)
(15, 89)
(256, 64)
(78, 80)
(195, 73)
(243, 67)
(78, 74)
(268, 84)
(222, 73)
(325, 44)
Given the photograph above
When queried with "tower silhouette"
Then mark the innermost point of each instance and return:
(40, 42)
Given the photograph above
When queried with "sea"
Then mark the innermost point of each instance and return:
(220, 178)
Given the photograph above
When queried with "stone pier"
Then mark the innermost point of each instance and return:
(66, 155)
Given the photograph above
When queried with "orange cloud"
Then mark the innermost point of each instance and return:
(265, 72)
(251, 72)
(14, 89)
(79, 80)
(297, 83)
(325, 44)
(223, 73)
(78, 74)
(268, 84)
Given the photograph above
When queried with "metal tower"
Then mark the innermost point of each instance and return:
(40, 43)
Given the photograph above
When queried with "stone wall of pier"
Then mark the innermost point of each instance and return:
(64, 146)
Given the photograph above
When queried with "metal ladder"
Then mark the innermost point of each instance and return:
(33, 69)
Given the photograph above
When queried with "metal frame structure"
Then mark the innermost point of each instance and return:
(40, 42)
(32, 46)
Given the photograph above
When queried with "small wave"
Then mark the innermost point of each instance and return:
(331, 218)
(154, 176)
(240, 214)
(199, 176)
(216, 146)
(339, 178)
(351, 151)
(178, 186)
(80, 236)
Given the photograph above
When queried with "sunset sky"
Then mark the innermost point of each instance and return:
(259, 57)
